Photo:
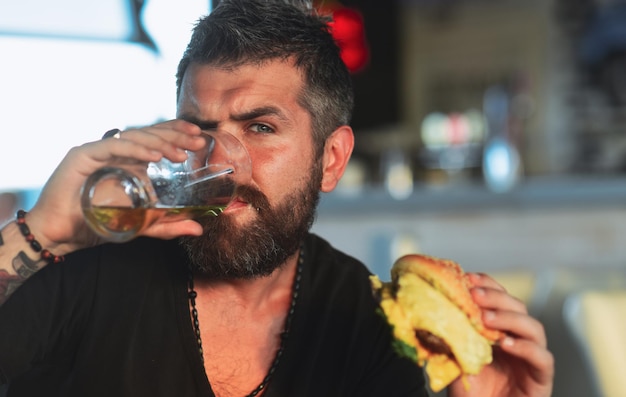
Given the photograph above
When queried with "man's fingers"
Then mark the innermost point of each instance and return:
(497, 299)
(540, 360)
(484, 280)
(517, 324)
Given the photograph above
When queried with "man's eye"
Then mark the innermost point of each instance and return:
(262, 128)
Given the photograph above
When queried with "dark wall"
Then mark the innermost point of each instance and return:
(377, 85)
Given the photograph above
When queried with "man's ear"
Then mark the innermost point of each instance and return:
(337, 152)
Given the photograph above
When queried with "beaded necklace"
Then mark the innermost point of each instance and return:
(283, 336)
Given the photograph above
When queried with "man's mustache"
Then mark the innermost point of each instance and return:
(253, 196)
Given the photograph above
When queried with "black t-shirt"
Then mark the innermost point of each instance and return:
(114, 321)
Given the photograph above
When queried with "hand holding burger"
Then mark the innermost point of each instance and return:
(437, 321)
(434, 318)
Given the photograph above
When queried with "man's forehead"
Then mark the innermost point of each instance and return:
(248, 86)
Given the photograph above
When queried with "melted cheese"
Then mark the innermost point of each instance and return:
(428, 309)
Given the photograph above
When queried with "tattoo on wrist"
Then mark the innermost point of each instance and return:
(24, 266)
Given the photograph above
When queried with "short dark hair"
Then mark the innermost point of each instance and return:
(239, 32)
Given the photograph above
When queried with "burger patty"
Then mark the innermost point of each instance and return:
(433, 343)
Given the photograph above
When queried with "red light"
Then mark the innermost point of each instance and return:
(348, 29)
(347, 25)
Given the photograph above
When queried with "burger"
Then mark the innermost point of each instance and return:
(435, 322)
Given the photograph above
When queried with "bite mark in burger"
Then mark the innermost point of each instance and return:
(435, 321)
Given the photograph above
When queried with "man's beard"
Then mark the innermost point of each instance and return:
(226, 251)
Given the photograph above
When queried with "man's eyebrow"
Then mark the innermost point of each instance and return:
(259, 112)
(243, 116)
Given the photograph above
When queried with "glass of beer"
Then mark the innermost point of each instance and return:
(126, 196)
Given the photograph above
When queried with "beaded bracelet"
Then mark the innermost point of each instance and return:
(35, 245)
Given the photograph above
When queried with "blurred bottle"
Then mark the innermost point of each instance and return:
(398, 174)
(502, 166)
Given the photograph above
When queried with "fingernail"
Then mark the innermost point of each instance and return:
(508, 341)
(473, 276)
(489, 315)
(479, 291)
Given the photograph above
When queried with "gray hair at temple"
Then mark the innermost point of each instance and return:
(241, 32)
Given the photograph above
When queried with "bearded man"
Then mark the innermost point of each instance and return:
(245, 304)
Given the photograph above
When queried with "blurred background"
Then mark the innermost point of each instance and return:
(488, 132)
